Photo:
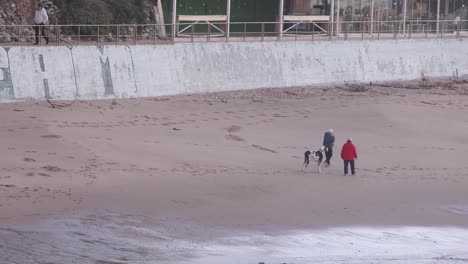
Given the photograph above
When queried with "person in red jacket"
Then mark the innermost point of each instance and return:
(349, 154)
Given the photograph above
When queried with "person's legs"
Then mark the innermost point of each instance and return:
(346, 162)
(327, 156)
(352, 166)
(36, 31)
(44, 34)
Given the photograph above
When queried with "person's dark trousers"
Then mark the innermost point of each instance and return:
(328, 155)
(350, 162)
(37, 29)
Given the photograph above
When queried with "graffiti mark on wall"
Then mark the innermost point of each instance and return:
(45, 81)
(53, 73)
(106, 73)
(6, 85)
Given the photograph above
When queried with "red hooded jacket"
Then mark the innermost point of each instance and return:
(348, 152)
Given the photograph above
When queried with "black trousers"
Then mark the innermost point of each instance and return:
(40, 28)
(328, 155)
(351, 162)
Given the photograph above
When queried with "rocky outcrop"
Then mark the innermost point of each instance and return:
(16, 18)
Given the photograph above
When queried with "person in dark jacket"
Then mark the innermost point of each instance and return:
(328, 142)
(349, 154)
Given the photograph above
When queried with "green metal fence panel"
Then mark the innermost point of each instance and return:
(241, 11)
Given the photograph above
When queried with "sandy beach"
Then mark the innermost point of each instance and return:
(195, 171)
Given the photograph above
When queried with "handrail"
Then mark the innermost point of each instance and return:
(210, 31)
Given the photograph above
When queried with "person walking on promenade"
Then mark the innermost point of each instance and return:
(349, 154)
(40, 20)
(328, 142)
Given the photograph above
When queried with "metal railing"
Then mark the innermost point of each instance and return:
(149, 34)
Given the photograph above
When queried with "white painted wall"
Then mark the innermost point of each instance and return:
(91, 72)
(28, 76)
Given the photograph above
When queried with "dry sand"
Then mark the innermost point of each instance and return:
(202, 167)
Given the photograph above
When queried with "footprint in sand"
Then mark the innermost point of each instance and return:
(233, 129)
(235, 138)
(264, 149)
(51, 136)
(52, 168)
(29, 160)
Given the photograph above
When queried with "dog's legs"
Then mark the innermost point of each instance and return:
(306, 160)
(319, 167)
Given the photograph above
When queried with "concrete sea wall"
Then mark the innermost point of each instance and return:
(96, 72)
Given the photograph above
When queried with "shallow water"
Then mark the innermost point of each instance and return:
(113, 238)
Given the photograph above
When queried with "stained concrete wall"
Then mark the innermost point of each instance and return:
(91, 72)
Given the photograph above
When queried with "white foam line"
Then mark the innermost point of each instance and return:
(347, 245)
(123, 239)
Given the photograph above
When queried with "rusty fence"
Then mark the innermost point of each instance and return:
(154, 34)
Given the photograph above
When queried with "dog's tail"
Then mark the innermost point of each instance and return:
(307, 158)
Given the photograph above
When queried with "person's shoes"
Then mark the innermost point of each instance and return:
(354, 174)
(346, 174)
(35, 44)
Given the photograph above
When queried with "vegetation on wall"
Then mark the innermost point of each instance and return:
(100, 12)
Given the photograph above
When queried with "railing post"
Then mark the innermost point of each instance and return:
(313, 31)
(394, 30)
(192, 31)
(19, 34)
(155, 34)
(57, 34)
(458, 29)
(362, 30)
(442, 31)
(209, 33)
(245, 29)
(346, 30)
(98, 34)
(79, 34)
(135, 34)
(295, 34)
(263, 31)
(410, 30)
(380, 30)
(39, 42)
(425, 32)
(228, 30)
(439, 33)
(330, 32)
(280, 31)
(118, 34)
(175, 30)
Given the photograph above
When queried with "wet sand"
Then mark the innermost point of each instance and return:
(228, 164)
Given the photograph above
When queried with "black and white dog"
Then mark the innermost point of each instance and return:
(317, 156)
